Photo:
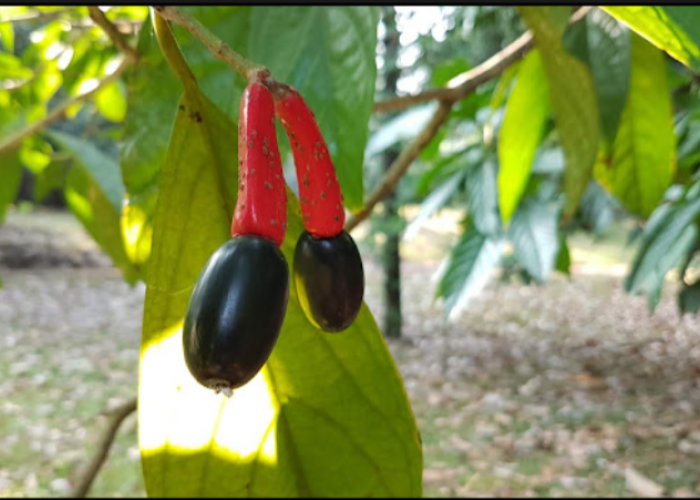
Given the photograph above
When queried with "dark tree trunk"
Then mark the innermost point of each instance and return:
(391, 259)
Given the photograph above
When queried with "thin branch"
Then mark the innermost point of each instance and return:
(117, 417)
(38, 16)
(467, 83)
(462, 84)
(457, 89)
(249, 70)
(401, 164)
(112, 32)
(16, 139)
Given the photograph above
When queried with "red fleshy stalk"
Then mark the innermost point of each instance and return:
(319, 191)
(262, 197)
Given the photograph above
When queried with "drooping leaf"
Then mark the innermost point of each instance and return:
(602, 43)
(483, 197)
(535, 237)
(10, 177)
(328, 54)
(668, 237)
(434, 202)
(527, 111)
(672, 28)
(642, 163)
(573, 98)
(563, 264)
(469, 267)
(689, 298)
(327, 415)
(597, 207)
(94, 193)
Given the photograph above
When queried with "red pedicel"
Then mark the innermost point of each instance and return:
(262, 197)
(319, 191)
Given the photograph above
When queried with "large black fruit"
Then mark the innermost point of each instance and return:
(329, 280)
(235, 312)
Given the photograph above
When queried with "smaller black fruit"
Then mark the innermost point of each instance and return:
(236, 312)
(329, 280)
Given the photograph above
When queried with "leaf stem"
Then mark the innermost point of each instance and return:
(249, 70)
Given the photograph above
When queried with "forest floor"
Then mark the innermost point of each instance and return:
(571, 389)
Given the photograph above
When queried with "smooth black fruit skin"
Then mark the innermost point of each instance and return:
(329, 280)
(235, 312)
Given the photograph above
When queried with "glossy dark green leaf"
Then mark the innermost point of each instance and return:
(689, 298)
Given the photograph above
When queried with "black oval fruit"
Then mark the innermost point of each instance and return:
(235, 312)
(329, 280)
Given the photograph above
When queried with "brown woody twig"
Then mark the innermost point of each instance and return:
(457, 89)
(116, 418)
(112, 32)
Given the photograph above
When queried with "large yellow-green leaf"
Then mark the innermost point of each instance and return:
(573, 98)
(642, 163)
(327, 415)
(673, 28)
(526, 114)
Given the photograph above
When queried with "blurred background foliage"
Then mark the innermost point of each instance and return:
(515, 156)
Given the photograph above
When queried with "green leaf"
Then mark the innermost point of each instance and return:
(668, 237)
(535, 237)
(671, 28)
(642, 163)
(689, 298)
(327, 415)
(11, 67)
(10, 177)
(94, 193)
(483, 197)
(434, 202)
(563, 263)
(573, 98)
(597, 207)
(7, 35)
(447, 70)
(328, 54)
(468, 268)
(604, 45)
(526, 114)
(111, 102)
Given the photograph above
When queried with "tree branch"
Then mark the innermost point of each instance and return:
(249, 70)
(117, 418)
(112, 32)
(463, 82)
(38, 15)
(16, 139)
(457, 89)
